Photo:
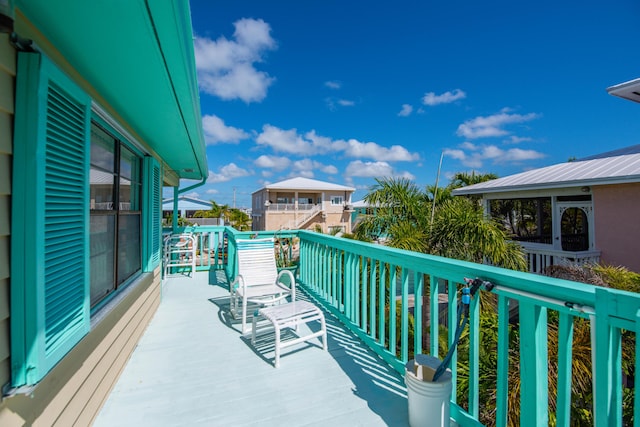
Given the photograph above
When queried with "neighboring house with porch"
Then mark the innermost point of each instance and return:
(187, 207)
(302, 203)
(575, 212)
(99, 110)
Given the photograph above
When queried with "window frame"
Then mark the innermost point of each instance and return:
(334, 198)
(120, 144)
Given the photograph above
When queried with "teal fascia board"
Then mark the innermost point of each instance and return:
(138, 59)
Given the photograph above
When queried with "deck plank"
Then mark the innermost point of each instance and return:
(193, 367)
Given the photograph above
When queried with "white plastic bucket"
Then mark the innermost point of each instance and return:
(428, 400)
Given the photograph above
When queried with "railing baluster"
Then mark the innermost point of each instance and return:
(434, 316)
(565, 347)
(451, 329)
(347, 285)
(502, 383)
(418, 290)
(393, 319)
(381, 303)
(355, 298)
(404, 314)
(373, 283)
(364, 262)
(474, 355)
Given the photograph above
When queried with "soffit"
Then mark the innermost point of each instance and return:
(138, 56)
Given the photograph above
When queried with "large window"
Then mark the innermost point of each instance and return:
(115, 190)
(525, 220)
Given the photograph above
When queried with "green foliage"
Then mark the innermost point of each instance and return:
(618, 277)
(182, 221)
(239, 220)
(459, 230)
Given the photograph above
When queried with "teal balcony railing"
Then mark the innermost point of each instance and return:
(370, 289)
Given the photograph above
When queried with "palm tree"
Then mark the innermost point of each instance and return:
(400, 212)
(462, 179)
(216, 211)
(239, 219)
(460, 229)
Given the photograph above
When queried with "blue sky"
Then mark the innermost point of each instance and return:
(347, 92)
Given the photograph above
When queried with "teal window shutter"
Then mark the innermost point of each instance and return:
(152, 215)
(50, 234)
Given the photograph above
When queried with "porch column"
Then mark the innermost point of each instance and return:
(174, 221)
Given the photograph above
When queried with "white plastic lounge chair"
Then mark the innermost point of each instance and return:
(258, 281)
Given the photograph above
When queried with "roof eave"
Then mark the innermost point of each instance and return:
(464, 191)
(628, 90)
(143, 72)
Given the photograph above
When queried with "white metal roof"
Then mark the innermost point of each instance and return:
(186, 203)
(306, 184)
(628, 90)
(593, 171)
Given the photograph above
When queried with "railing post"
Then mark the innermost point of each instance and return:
(606, 364)
(534, 370)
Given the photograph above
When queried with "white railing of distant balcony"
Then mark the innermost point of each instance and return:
(539, 258)
(281, 207)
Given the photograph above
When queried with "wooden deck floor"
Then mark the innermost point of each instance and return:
(192, 367)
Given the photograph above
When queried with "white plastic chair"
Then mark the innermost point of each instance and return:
(179, 251)
(258, 281)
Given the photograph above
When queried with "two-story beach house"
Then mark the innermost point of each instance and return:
(302, 203)
(99, 110)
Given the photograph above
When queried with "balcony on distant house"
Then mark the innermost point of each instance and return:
(383, 306)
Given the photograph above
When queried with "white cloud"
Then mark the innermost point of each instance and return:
(469, 146)
(431, 99)
(227, 173)
(212, 191)
(517, 139)
(272, 162)
(307, 166)
(329, 169)
(289, 141)
(285, 141)
(215, 131)
(333, 103)
(492, 126)
(478, 155)
(333, 84)
(406, 110)
(358, 168)
(302, 167)
(226, 67)
(371, 150)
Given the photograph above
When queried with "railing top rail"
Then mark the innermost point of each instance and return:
(456, 270)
